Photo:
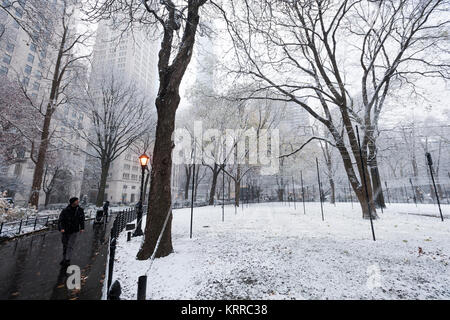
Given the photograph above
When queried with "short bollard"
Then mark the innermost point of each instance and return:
(142, 287)
(129, 236)
(115, 291)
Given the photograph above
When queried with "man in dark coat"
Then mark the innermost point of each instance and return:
(71, 221)
(105, 210)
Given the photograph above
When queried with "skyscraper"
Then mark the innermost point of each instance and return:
(133, 58)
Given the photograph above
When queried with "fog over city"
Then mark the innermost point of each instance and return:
(225, 149)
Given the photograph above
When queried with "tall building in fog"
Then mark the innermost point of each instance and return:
(23, 60)
(133, 58)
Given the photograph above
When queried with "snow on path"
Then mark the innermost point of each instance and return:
(271, 251)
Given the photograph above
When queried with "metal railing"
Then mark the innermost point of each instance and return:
(34, 223)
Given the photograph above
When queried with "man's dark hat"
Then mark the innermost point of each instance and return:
(72, 200)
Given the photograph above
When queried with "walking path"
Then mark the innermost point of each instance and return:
(29, 266)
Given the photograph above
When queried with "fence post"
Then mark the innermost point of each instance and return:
(1, 228)
(20, 227)
(320, 189)
(430, 164)
(35, 221)
(142, 287)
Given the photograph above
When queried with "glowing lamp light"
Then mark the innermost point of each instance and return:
(143, 159)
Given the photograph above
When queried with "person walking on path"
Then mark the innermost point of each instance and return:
(71, 221)
(105, 210)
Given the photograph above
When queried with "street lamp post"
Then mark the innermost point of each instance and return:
(143, 159)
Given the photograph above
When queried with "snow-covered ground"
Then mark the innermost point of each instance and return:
(272, 251)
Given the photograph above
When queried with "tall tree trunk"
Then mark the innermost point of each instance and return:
(237, 186)
(333, 190)
(160, 196)
(375, 175)
(144, 195)
(45, 135)
(167, 102)
(357, 185)
(212, 192)
(196, 183)
(103, 178)
(327, 155)
(188, 170)
(40, 162)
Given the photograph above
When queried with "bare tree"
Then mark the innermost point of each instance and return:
(118, 115)
(57, 36)
(296, 49)
(172, 18)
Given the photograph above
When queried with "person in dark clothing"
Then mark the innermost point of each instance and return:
(71, 221)
(105, 210)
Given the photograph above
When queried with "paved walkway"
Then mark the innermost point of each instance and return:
(29, 266)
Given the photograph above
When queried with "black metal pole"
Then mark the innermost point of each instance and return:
(293, 192)
(350, 192)
(320, 189)
(138, 231)
(241, 195)
(430, 163)
(112, 251)
(414, 192)
(223, 192)
(387, 191)
(192, 199)
(303, 192)
(365, 183)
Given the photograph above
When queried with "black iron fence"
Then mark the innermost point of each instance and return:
(34, 223)
(120, 222)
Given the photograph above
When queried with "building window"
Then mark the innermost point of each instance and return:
(3, 70)
(26, 81)
(33, 47)
(126, 176)
(126, 167)
(10, 47)
(7, 58)
(36, 86)
(27, 69)
(30, 58)
(38, 75)
(19, 12)
(18, 169)
(125, 186)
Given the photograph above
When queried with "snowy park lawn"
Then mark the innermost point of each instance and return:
(272, 251)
